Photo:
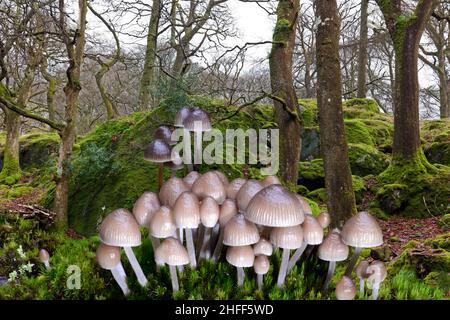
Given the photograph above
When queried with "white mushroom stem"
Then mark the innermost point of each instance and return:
(361, 286)
(180, 269)
(259, 280)
(240, 276)
(219, 245)
(180, 235)
(187, 149)
(214, 236)
(191, 248)
(136, 267)
(375, 290)
(155, 245)
(205, 251)
(174, 278)
(120, 278)
(297, 254)
(331, 267)
(283, 267)
(198, 147)
(47, 264)
(121, 270)
(200, 236)
(353, 261)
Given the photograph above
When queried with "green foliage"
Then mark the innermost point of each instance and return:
(406, 286)
(365, 159)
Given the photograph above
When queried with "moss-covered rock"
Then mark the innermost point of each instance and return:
(365, 159)
(435, 136)
(358, 132)
(312, 174)
(444, 222)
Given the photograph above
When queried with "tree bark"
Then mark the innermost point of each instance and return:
(362, 52)
(286, 106)
(11, 167)
(333, 142)
(51, 91)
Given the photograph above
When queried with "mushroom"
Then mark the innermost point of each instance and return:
(240, 232)
(181, 116)
(222, 177)
(44, 257)
(361, 273)
(171, 190)
(158, 151)
(144, 209)
(172, 252)
(241, 257)
(173, 167)
(209, 185)
(209, 216)
(164, 133)
(324, 219)
(376, 273)
(179, 119)
(120, 229)
(332, 250)
(270, 180)
(191, 177)
(312, 235)
(161, 226)
(345, 289)
(286, 238)
(233, 187)
(361, 231)
(227, 211)
(197, 121)
(305, 204)
(186, 213)
(261, 266)
(246, 193)
(263, 247)
(108, 257)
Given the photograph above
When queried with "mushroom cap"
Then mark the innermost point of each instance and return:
(120, 229)
(270, 180)
(287, 237)
(241, 256)
(234, 186)
(305, 204)
(247, 192)
(181, 116)
(108, 257)
(362, 231)
(165, 134)
(312, 230)
(162, 224)
(197, 120)
(186, 211)
(172, 252)
(210, 185)
(324, 219)
(158, 151)
(191, 177)
(376, 272)
(44, 255)
(261, 264)
(274, 206)
(332, 248)
(361, 269)
(145, 207)
(240, 232)
(345, 289)
(209, 212)
(228, 210)
(263, 247)
(171, 190)
(222, 177)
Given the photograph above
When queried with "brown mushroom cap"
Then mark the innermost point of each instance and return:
(120, 229)
(376, 272)
(162, 224)
(270, 180)
(361, 269)
(345, 289)
(181, 116)
(209, 212)
(263, 247)
(305, 204)
(324, 219)
(186, 211)
(228, 210)
(274, 206)
(332, 248)
(108, 257)
(171, 190)
(222, 177)
(362, 231)
(240, 232)
(210, 185)
(247, 192)
(172, 252)
(165, 134)
(261, 264)
(43, 255)
(145, 207)
(197, 117)
(191, 177)
(312, 230)
(241, 256)
(287, 237)
(234, 187)
(158, 151)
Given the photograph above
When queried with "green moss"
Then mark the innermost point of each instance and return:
(309, 112)
(435, 136)
(365, 159)
(367, 104)
(319, 194)
(357, 132)
(312, 174)
(11, 172)
(18, 191)
(444, 222)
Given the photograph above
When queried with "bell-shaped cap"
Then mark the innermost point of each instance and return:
(181, 116)
(263, 247)
(191, 177)
(44, 255)
(197, 120)
(305, 204)
(240, 232)
(247, 192)
(186, 211)
(162, 224)
(345, 289)
(209, 212)
(108, 257)
(362, 231)
(234, 186)
(222, 177)
(120, 229)
(287, 237)
(270, 180)
(332, 248)
(274, 206)
(376, 273)
(171, 190)
(145, 207)
(312, 231)
(261, 264)
(324, 219)
(241, 256)
(158, 151)
(361, 269)
(172, 252)
(165, 134)
(228, 210)
(210, 185)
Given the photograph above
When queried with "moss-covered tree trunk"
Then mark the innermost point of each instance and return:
(333, 142)
(148, 81)
(285, 102)
(11, 168)
(362, 51)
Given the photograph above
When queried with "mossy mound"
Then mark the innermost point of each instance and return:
(357, 132)
(436, 140)
(365, 159)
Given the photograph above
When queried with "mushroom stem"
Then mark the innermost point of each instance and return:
(259, 280)
(155, 245)
(283, 267)
(297, 254)
(190, 248)
(136, 267)
(309, 250)
(240, 276)
(160, 175)
(180, 268)
(174, 278)
(200, 236)
(353, 261)
(361, 286)
(120, 279)
(180, 235)
(187, 155)
(47, 264)
(375, 290)
(198, 147)
(218, 249)
(205, 249)
(331, 267)
(121, 270)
